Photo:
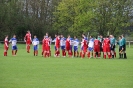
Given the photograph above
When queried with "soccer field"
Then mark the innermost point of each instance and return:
(28, 71)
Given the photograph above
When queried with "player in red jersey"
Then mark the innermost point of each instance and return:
(106, 47)
(97, 48)
(85, 46)
(68, 46)
(6, 43)
(43, 45)
(47, 47)
(50, 42)
(57, 45)
(28, 41)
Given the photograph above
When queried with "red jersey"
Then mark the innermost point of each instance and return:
(6, 42)
(97, 43)
(85, 43)
(106, 42)
(57, 42)
(68, 42)
(27, 37)
(47, 42)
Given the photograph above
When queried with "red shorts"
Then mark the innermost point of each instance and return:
(106, 49)
(57, 46)
(85, 49)
(5, 48)
(47, 48)
(28, 42)
(96, 49)
(43, 48)
(68, 48)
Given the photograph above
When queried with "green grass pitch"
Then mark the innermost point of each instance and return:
(28, 71)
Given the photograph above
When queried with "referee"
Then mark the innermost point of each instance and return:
(124, 46)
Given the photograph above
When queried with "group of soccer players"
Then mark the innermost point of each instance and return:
(70, 46)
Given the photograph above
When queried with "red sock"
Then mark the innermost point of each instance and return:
(45, 54)
(62, 52)
(83, 55)
(104, 56)
(28, 48)
(88, 54)
(6, 53)
(109, 56)
(99, 54)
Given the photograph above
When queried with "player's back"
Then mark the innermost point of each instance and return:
(57, 41)
(68, 42)
(107, 42)
(76, 42)
(96, 42)
(14, 41)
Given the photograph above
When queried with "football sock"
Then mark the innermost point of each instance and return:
(88, 54)
(104, 56)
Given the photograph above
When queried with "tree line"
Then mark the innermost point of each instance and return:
(72, 17)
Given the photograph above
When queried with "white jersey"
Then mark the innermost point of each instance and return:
(91, 43)
(63, 42)
(14, 41)
(35, 41)
(71, 41)
(76, 42)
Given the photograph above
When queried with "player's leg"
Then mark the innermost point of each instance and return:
(16, 50)
(108, 52)
(124, 51)
(104, 53)
(5, 50)
(75, 51)
(88, 53)
(34, 50)
(95, 52)
(62, 48)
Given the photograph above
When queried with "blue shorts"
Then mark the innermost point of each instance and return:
(75, 48)
(36, 47)
(14, 48)
(90, 49)
(62, 47)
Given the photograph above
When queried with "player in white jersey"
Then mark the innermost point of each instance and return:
(35, 43)
(75, 44)
(62, 44)
(13, 41)
(90, 47)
